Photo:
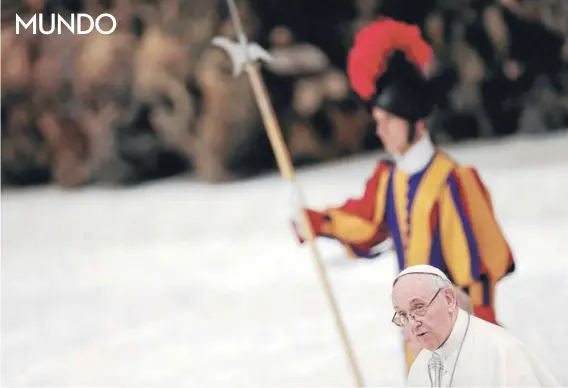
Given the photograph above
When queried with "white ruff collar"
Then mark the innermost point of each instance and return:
(417, 157)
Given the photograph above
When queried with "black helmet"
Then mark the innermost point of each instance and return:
(387, 67)
(402, 90)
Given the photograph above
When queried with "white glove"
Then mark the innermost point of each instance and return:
(296, 209)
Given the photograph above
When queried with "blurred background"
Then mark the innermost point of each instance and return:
(156, 99)
(124, 265)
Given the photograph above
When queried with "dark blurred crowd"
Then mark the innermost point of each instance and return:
(155, 98)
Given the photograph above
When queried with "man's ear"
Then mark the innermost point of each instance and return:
(420, 126)
(451, 296)
(464, 302)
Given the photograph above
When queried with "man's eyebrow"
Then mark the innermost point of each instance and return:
(413, 300)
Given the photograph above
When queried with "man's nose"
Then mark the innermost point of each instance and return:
(414, 324)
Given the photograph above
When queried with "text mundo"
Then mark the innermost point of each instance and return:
(78, 23)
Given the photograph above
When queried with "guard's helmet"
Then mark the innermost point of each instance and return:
(388, 67)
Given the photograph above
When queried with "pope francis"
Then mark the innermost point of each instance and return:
(458, 348)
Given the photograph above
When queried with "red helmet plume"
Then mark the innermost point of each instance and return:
(368, 57)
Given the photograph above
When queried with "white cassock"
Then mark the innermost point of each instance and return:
(489, 356)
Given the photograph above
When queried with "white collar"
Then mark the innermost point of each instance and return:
(417, 157)
(456, 337)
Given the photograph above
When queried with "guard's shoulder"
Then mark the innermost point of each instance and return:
(469, 173)
(466, 168)
(385, 164)
(459, 170)
(383, 169)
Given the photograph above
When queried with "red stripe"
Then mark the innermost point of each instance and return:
(434, 215)
(364, 206)
(486, 313)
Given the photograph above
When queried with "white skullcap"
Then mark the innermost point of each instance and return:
(422, 268)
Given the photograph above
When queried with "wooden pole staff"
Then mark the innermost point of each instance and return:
(243, 56)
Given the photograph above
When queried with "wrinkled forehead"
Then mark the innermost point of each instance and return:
(409, 287)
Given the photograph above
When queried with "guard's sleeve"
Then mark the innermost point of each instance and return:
(359, 222)
(472, 241)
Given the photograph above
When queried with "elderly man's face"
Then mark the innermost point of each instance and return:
(416, 290)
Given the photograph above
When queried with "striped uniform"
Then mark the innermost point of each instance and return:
(442, 215)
